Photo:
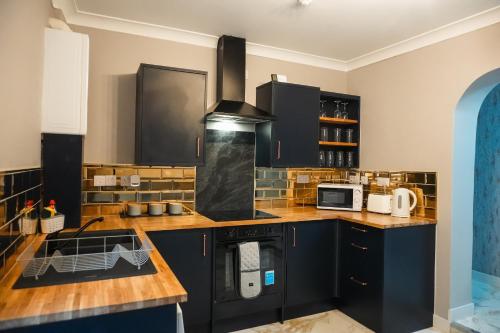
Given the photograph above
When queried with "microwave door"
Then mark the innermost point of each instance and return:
(336, 198)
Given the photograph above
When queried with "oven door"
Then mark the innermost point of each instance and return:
(335, 198)
(227, 276)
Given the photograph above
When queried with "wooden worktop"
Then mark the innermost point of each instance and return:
(32, 306)
(293, 214)
(22, 307)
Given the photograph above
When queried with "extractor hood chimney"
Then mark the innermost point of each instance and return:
(231, 105)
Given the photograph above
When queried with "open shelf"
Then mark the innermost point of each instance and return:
(340, 121)
(337, 144)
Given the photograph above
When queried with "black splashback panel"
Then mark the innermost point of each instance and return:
(226, 182)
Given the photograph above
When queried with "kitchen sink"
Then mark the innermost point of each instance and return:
(93, 255)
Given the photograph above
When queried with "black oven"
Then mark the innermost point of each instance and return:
(227, 284)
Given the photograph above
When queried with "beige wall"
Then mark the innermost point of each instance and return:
(114, 59)
(22, 24)
(407, 117)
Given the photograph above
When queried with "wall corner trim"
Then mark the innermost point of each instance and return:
(75, 16)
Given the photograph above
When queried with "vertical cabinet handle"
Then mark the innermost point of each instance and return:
(204, 245)
(279, 150)
(197, 146)
(294, 244)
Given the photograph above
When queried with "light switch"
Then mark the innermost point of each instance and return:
(99, 180)
(111, 180)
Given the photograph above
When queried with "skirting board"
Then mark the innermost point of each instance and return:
(460, 312)
(443, 325)
(486, 278)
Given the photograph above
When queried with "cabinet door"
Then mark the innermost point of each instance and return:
(311, 262)
(295, 132)
(362, 274)
(170, 121)
(65, 82)
(188, 253)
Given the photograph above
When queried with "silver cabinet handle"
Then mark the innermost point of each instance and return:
(197, 146)
(204, 245)
(279, 150)
(364, 284)
(359, 247)
(359, 229)
(294, 238)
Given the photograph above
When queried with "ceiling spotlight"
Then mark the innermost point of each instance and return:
(304, 2)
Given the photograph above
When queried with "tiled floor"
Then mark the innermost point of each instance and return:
(327, 322)
(486, 298)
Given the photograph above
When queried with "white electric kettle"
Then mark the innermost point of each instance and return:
(401, 202)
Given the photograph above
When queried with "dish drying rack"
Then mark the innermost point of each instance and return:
(36, 264)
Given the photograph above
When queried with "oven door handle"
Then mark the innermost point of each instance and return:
(234, 245)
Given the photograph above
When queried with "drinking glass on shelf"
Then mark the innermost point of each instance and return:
(324, 133)
(350, 159)
(339, 161)
(321, 158)
(337, 113)
(337, 134)
(322, 108)
(349, 135)
(345, 114)
(330, 159)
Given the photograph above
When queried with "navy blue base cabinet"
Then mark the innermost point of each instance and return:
(189, 255)
(157, 319)
(387, 276)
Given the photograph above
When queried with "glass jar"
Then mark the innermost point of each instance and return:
(322, 158)
(349, 135)
(337, 134)
(324, 133)
(330, 159)
(350, 159)
(339, 161)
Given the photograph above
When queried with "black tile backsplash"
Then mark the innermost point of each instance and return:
(16, 187)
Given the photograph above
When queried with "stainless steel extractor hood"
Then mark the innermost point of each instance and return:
(231, 105)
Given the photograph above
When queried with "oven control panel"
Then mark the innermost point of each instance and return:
(249, 232)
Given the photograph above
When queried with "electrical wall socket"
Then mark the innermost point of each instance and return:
(99, 180)
(133, 181)
(383, 181)
(354, 179)
(364, 180)
(111, 180)
(303, 179)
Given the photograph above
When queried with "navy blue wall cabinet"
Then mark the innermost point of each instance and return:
(292, 139)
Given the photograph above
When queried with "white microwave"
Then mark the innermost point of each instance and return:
(340, 197)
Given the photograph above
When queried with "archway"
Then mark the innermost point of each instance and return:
(464, 144)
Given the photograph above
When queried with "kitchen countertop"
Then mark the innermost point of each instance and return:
(22, 307)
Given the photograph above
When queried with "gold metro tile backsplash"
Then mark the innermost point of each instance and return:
(278, 187)
(158, 184)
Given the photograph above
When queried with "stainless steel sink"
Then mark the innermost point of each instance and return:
(93, 255)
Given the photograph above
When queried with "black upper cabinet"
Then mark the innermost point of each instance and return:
(311, 264)
(189, 255)
(291, 140)
(170, 124)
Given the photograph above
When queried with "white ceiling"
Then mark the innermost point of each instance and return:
(338, 29)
